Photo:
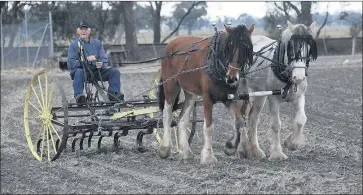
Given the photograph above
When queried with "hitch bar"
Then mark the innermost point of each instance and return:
(245, 96)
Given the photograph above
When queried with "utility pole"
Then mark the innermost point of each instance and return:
(51, 49)
(2, 42)
(26, 38)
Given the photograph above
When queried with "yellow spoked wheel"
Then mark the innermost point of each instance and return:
(45, 117)
(158, 132)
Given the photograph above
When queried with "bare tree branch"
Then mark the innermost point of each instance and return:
(298, 13)
(278, 7)
(287, 15)
(322, 26)
(152, 8)
(181, 20)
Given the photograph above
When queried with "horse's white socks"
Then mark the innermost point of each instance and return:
(183, 125)
(167, 117)
(207, 155)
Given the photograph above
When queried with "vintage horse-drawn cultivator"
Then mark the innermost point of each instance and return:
(52, 123)
(51, 120)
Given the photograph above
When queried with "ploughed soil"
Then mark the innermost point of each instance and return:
(330, 162)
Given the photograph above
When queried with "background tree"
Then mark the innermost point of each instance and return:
(194, 15)
(130, 29)
(194, 4)
(155, 9)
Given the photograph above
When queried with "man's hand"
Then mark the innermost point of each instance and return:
(99, 64)
(91, 58)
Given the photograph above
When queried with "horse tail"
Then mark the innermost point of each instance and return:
(161, 98)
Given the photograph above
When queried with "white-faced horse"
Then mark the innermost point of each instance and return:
(290, 58)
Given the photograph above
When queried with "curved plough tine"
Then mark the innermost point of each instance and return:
(57, 144)
(74, 144)
(90, 139)
(99, 142)
(139, 137)
(38, 145)
(81, 141)
(116, 142)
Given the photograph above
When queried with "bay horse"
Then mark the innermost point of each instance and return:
(217, 63)
(291, 55)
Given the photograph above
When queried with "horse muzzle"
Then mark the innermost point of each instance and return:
(232, 80)
(298, 79)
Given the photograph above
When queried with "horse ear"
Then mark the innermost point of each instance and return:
(252, 28)
(289, 25)
(228, 28)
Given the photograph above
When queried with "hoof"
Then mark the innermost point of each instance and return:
(207, 157)
(294, 143)
(142, 149)
(257, 153)
(229, 151)
(277, 156)
(242, 150)
(188, 155)
(209, 160)
(241, 154)
(230, 145)
(164, 152)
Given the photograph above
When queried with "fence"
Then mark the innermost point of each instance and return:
(25, 43)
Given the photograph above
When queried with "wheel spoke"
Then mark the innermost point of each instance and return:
(43, 140)
(51, 125)
(36, 95)
(41, 92)
(51, 136)
(51, 106)
(46, 90)
(50, 94)
(48, 147)
(34, 106)
(57, 122)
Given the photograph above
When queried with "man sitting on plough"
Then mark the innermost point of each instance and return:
(96, 60)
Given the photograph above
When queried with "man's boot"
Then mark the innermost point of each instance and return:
(80, 98)
(114, 96)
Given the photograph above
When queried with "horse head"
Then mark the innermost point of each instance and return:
(300, 48)
(238, 50)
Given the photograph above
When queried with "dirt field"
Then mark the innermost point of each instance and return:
(331, 161)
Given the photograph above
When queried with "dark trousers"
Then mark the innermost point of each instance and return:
(110, 74)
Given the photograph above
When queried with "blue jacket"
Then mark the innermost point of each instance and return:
(92, 47)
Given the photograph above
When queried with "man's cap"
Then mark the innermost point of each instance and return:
(83, 23)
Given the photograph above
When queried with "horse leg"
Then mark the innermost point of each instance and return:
(253, 119)
(184, 148)
(207, 155)
(295, 139)
(275, 122)
(170, 97)
(231, 144)
(240, 127)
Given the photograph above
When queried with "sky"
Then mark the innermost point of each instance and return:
(258, 9)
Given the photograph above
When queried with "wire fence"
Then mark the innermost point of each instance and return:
(25, 42)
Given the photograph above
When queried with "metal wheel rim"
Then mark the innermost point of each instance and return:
(46, 117)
